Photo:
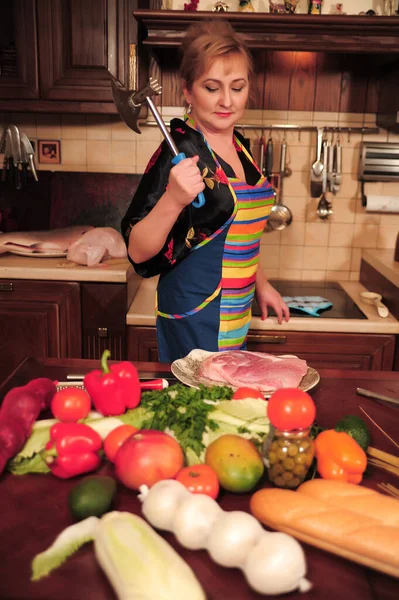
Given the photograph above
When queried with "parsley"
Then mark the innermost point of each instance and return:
(183, 410)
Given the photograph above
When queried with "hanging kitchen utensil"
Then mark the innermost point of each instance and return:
(27, 150)
(324, 207)
(128, 104)
(330, 165)
(16, 154)
(280, 216)
(261, 153)
(338, 166)
(268, 168)
(316, 174)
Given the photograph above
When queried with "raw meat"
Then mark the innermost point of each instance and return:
(96, 245)
(261, 371)
(54, 240)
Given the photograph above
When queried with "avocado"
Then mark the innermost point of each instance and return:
(92, 497)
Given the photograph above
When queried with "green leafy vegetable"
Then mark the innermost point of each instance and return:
(195, 417)
(68, 542)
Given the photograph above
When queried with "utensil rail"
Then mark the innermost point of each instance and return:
(263, 127)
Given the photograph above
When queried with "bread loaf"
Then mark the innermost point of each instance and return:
(346, 519)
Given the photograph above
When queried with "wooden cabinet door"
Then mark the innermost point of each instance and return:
(38, 319)
(18, 50)
(104, 308)
(329, 350)
(81, 44)
(142, 344)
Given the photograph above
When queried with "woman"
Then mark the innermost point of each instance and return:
(207, 256)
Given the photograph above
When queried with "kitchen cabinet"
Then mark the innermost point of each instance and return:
(370, 352)
(104, 308)
(309, 33)
(65, 52)
(38, 319)
(316, 63)
(142, 344)
(61, 319)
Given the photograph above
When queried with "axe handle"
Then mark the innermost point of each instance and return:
(177, 156)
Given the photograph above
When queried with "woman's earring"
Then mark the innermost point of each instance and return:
(189, 108)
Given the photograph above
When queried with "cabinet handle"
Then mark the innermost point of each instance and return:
(6, 287)
(267, 339)
(102, 332)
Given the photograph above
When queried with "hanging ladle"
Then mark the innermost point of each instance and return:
(280, 215)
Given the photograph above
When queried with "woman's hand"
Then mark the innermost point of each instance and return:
(267, 295)
(185, 181)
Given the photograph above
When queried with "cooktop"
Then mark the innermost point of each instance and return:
(343, 307)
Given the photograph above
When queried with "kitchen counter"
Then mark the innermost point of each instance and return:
(384, 263)
(142, 313)
(114, 270)
(40, 508)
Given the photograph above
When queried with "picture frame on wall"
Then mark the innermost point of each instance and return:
(49, 151)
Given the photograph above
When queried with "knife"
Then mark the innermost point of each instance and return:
(7, 153)
(269, 159)
(30, 154)
(16, 154)
(376, 396)
(338, 167)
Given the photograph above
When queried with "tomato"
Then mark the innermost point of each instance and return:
(200, 479)
(237, 462)
(247, 392)
(147, 457)
(291, 408)
(71, 404)
(115, 439)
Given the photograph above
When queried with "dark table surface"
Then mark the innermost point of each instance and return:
(33, 508)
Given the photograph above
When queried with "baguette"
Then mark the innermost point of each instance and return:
(352, 521)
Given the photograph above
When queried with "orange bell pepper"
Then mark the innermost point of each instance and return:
(339, 456)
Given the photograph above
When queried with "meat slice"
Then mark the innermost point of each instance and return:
(261, 371)
(96, 245)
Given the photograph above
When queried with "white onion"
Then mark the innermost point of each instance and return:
(161, 501)
(195, 519)
(232, 537)
(276, 565)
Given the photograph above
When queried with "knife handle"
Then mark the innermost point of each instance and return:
(269, 158)
(17, 177)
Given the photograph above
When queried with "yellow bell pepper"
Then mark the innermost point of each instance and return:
(339, 456)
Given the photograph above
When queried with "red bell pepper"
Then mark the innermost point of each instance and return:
(73, 449)
(115, 388)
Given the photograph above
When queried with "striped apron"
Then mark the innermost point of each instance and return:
(205, 301)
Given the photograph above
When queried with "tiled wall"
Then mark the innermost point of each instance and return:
(309, 248)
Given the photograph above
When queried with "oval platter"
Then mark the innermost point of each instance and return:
(186, 370)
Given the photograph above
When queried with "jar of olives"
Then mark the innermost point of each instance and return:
(288, 457)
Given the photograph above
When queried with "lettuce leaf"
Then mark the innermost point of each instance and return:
(187, 414)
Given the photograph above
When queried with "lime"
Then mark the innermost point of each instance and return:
(91, 497)
(356, 428)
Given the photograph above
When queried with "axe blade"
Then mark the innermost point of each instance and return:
(127, 110)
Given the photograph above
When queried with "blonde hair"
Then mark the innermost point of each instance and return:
(204, 42)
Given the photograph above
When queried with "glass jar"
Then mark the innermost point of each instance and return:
(288, 457)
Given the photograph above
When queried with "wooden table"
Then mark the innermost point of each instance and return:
(33, 508)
